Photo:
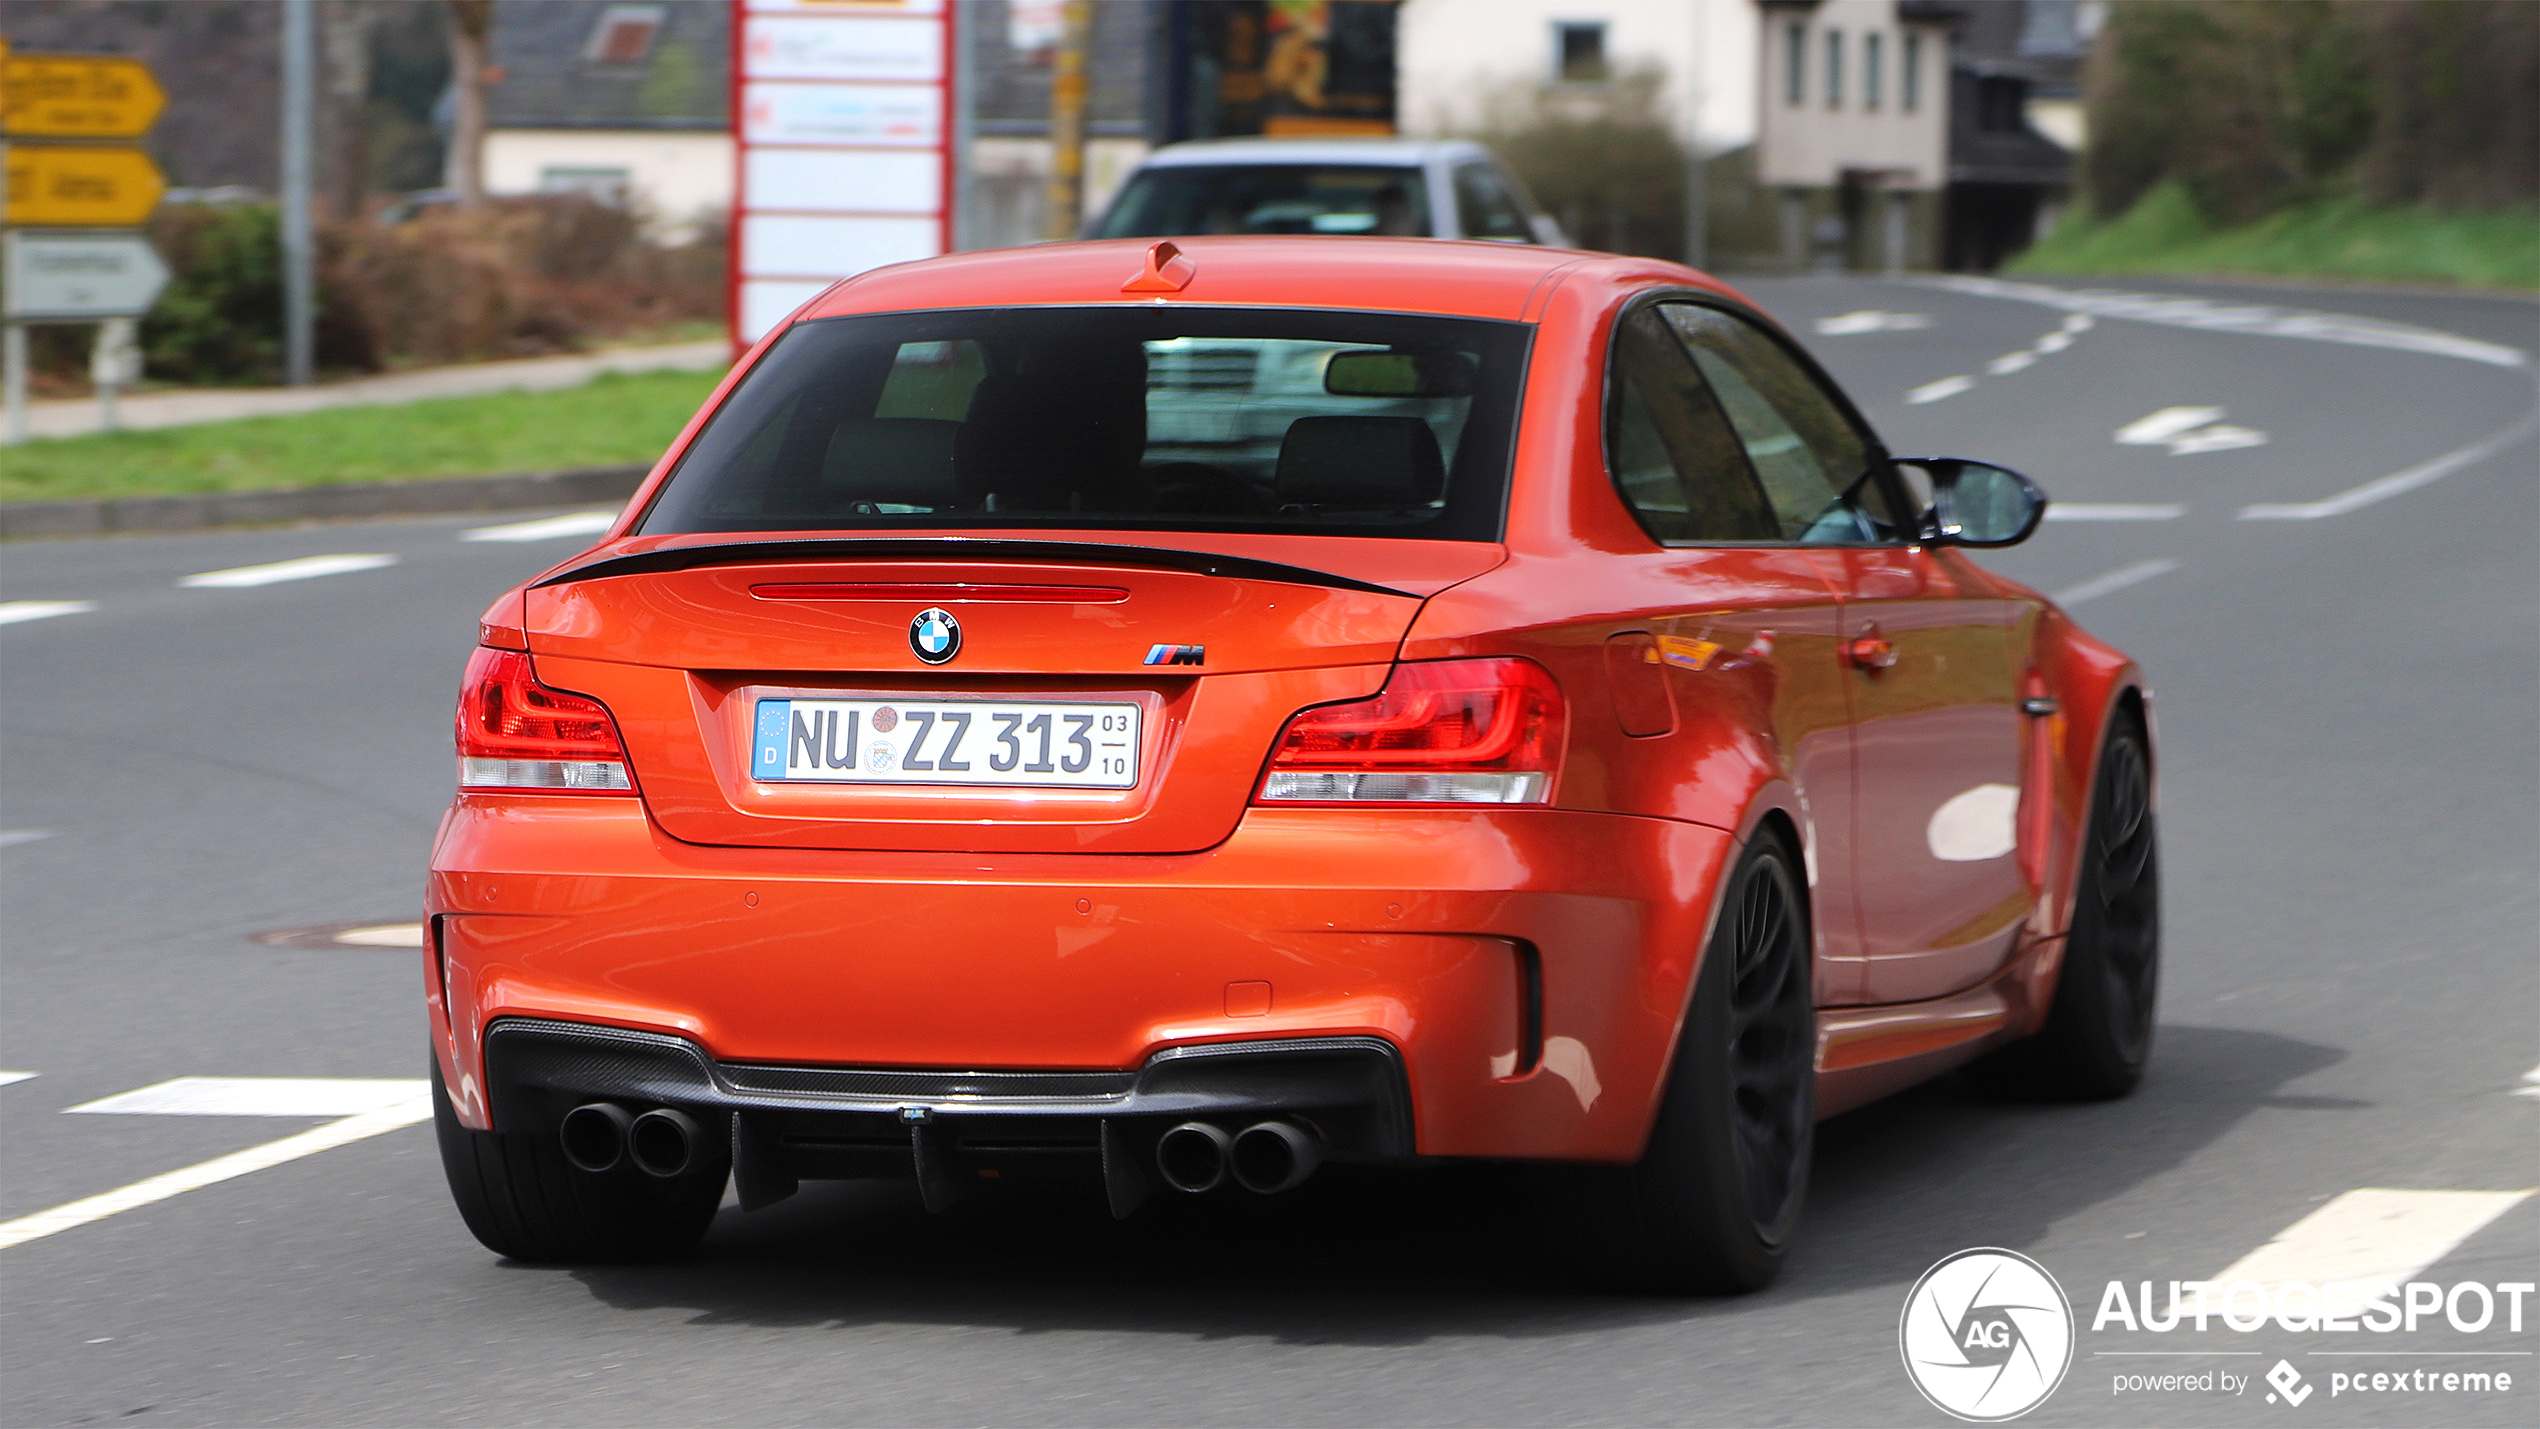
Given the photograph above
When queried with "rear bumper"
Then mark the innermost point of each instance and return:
(1526, 968)
(951, 1129)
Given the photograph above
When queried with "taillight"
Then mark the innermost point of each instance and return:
(515, 733)
(1443, 732)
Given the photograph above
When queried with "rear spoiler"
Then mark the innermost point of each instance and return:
(956, 548)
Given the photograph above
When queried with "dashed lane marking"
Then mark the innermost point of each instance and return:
(11, 838)
(1934, 391)
(2111, 511)
(1871, 320)
(305, 568)
(2372, 1234)
(2396, 483)
(2114, 581)
(2530, 1084)
(2210, 316)
(260, 1096)
(12, 1078)
(13, 611)
(2010, 362)
(549, 528)
(417, 1108)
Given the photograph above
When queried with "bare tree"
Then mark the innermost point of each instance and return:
(344, 36)
(471, 33)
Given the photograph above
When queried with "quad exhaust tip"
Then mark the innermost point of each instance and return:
(1266, 1157)
(1273, 1156)
(594, 1136)
(663, 1142)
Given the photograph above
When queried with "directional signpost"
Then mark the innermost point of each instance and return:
(49, 273)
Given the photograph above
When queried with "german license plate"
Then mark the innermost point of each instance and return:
(1022, 744)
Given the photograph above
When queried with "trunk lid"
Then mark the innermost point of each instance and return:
(1214, 650)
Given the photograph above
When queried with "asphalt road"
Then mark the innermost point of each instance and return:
(2349, 705)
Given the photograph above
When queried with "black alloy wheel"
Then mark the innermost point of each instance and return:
(1712, 1204)
(2098, 1035)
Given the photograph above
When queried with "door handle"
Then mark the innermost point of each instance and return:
(1871, 651)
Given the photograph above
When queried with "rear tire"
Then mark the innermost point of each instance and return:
(1712, 1204)
(521, 1198)
(2098, 1034)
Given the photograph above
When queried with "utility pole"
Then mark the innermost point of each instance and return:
(1697, 168)
(299, 243)
(1066, 192)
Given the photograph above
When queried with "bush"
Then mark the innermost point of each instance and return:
(1602, 160)
(519, 277)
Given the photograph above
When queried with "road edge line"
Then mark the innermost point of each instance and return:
(2397, 483)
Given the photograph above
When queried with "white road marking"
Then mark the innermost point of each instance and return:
(2220, 437)
(2371, 1234)
(2079, 322)
(2396, 483)
(2010, 362)
(11, 838)
(306, 568)
(2530, 1084)
(2055, 341)
(384, 935)
(13, 611)
(221, 1168)
(2158, 428)
(2211, 316)
(1934, 391)
(260, 1096)
(1871, 320)
(2114, 581)
(11, 1078)
(549, 528)
(2111, 511)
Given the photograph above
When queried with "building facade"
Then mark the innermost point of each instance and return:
(1852, 128)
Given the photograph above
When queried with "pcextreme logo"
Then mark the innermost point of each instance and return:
(1987, 1335)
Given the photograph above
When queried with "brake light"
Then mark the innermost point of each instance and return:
(1442, 732)
(515, 733)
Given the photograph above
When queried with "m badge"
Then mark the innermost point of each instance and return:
(1177, 655)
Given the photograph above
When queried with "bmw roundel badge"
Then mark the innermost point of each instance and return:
(934, 635)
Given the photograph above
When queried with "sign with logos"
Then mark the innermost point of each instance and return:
(77, 97)
(841, 120)
(81, 187)
(78, 277)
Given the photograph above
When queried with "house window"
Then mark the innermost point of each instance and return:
(602, 185)
(624, 35)
(1795, 65)
(1834, 69)
(2001, 104)
(1578, 51)
(1911, 81)
(1871, 44)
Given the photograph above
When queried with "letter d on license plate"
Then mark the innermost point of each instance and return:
(1021, 744)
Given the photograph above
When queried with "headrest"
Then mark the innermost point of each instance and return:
(1360, 461)
(905, 461)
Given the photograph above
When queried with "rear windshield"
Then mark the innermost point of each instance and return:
(1114, 418)
(1179, 199)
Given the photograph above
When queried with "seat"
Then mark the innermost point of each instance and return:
(898, 461)
(1360, 462)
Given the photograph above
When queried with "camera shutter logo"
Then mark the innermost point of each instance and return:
(934, 635)
(1987, 1335)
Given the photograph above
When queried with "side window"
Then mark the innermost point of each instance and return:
(1804, 450)
(1675, 459)
(1484, 208)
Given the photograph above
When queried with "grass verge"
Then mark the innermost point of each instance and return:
(2332, 238)
(616, 419)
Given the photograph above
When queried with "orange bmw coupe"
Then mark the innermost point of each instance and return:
(1165, 717)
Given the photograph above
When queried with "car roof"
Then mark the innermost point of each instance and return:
(1398, 153)
(1427, 275)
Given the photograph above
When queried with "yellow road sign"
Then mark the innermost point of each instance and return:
(77, 97)
(82, 187)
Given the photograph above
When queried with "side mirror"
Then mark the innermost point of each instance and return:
(1976, 503)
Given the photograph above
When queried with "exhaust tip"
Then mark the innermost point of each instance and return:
(663, 1142)
(1274, 1156)
(594, 1136)
(1192, 1157)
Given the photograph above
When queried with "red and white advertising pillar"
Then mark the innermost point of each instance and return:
(842, 130)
